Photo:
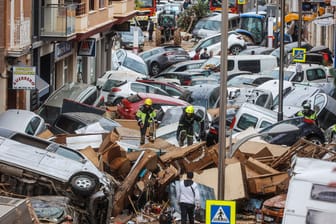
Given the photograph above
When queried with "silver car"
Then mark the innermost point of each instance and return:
(33, 166)
(127, 88)
(24, 121)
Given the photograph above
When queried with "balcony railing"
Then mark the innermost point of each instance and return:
(21, 37)
(58, 20)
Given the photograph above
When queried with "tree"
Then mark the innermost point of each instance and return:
(189, 17)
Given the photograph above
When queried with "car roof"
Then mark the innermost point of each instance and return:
(161, 97)
(85, 117)
(206, 89)
(72, 91)
(15, 119)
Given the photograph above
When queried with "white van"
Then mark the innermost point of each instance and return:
(309, 199)
(251, 63)
(252, 115)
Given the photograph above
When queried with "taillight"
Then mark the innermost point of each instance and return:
(233, 122)
(186, 82)
(168, 53)
(213, 131)
(115, 89)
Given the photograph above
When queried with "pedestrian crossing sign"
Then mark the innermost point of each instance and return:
(220, 212)
(241, 2)
(299, 54)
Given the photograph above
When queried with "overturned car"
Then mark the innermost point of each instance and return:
(31, 166)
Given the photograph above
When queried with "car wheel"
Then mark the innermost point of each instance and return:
(315, 140)
(235, 49)
(155, 68)
(83, 183)
(117, 102)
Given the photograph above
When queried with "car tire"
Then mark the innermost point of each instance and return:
(235, 49)
(155, 68)
(84, 183)
(117, 101)
(315, 140)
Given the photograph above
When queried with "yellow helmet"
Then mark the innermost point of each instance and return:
(189, 110)
(148, 102)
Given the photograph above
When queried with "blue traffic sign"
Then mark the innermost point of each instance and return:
(220, 212)
(299, 54)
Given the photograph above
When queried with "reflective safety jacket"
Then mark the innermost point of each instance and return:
(145, 115)
(309, 116)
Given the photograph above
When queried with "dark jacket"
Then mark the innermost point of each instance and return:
(187, 123)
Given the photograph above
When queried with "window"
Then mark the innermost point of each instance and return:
(230, 65)
(172, 91)
(90, 100)
(91, 5)
(323, 193)
(298, 77)
(139, 88)
(68, 125)
(265, 124)
(247, 121)
(33, 125)
(101, 3)
(249, 65)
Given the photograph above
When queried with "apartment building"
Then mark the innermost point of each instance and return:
(58, 40)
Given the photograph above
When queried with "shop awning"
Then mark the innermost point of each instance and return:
(41, 86)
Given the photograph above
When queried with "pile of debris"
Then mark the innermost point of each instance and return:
(142, 175)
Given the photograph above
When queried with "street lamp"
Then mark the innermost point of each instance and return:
(223, 98)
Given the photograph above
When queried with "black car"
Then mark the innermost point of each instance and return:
(310, 132)
(75, 122)
(159, 58)
(212, 135)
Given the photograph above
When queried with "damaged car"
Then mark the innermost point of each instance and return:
(32, 166)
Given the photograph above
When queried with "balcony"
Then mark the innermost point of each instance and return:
(20, 39)
(123, 7)
(58, 22)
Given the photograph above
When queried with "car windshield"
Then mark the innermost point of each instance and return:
(238, 80)
(212, 25)
(200, 24)
(129, 36)
(68, 91)
(287, 74)
(146, 3)
(103, 124)
(110, 83)
(132, 64)
(211, 61)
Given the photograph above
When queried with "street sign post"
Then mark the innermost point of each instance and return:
(299, 55)
(220, 212)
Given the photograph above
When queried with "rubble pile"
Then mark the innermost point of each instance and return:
(142, 175)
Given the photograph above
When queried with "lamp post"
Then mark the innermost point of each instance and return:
(223, 98)
(282, 54)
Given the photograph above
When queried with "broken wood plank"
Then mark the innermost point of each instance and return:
(235, 182)
(260, 167)
(268, 183)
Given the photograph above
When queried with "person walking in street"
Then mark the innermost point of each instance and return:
(145, 117)
(197, 54)
(188, 197)
(308, 114)
(150, 29)
(186, 126)
(205, 54)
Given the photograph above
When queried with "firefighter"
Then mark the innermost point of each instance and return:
(186, 126)
(308, 114)
(145, 117)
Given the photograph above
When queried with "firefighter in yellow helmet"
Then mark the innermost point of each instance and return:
(145, 117)
(186, 126)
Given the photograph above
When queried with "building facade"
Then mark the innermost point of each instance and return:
(63, 40)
